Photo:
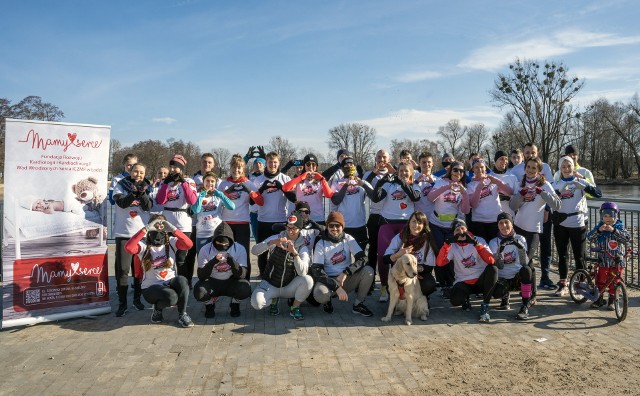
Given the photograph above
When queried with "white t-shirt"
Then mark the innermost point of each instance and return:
(511, 181)
(396, 204)
(573, 199)
(335, 257)
(158, 274)
(374, 207)
(488, 207)
(352, 206)
(424, 187)
(222, 270)
(467, 263)
(530, 215)
(510, 257)
(311, 192)
(447, 205)
(274, 209)
(428, 259)
(240, 198)
(176, 200)
(127, 221)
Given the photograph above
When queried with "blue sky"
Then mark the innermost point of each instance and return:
(234, 73)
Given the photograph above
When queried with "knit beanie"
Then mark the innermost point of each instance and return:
(335, 217)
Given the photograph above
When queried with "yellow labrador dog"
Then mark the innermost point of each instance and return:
(404, 290)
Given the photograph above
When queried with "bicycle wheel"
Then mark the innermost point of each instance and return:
(581, 286)
(621, 302)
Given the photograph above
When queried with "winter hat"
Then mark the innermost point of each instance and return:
(27, 201)
(565, 158)
(456, 223)
(335, 217)
(262, 161)
(446, 155)
(343, 151)
(499, 154)
(570, 149)
(302, 205)
(505, 216)
(178, 161)
(310, 158)
(346, 160)
(295, 219)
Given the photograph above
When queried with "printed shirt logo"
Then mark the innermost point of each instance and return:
(174, 193)
(613, 245)
(485, 192)
(469, 262)
(530, 196)
(338, 257)
(271, 187)
(418, 255)
(398, 195)
(235, 193)
(309, 189)
(351, 188)
(568, 193)
(306, 240)
(427, 189)
(450, 197)
(208, 205)
(509, 257)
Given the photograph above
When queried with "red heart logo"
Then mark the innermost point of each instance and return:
(133, 213)
(72, 136)
(163, 274)
(403, 205)
(613, 245)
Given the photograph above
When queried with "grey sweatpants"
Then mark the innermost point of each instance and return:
(361, 280)
(299, 288)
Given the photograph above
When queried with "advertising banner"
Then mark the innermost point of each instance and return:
(54, 252)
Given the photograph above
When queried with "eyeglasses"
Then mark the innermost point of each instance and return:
(292, 229)
(457, 170)
(334, 225)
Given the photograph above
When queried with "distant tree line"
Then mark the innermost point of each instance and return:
(536, 97)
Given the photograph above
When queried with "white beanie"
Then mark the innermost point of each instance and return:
(565, 158)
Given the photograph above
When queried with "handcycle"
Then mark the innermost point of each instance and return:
(582, 286)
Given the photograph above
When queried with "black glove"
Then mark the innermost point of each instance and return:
(505, 242)
(264, 186)
(169, 179)
(236, 270)
(471, 239)
(250, 152)
(451, 239)
(518, 244)
(262, 153)
(277, 184)
(180, 178)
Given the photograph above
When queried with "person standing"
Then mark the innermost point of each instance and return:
(311, 187)
(177, 194)
(501, 171)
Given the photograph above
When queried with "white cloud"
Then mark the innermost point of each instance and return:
(164, 120)
(607, 73)
(406, 123)
(585, 98)
(418, 76)
(495, 56)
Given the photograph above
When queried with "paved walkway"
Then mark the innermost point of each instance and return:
(342, 353)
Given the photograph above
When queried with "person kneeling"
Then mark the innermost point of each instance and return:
(473, 267)
(334, 271)
(513, 270)
(285, 274)
(222, 267)
(156, 265)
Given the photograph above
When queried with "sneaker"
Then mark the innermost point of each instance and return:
(156, 315)
(532, 301)
(139, 305)
(273, 309)
(546, 283)
(484, 313)
(295, 313)
(362, 310)
(504, 303)
(611, 302)
(384, 296)
(235, 310)
(563, 290)
(524, 312)
(327, 307)
(122, 309)
(598, 303)
(466, 305)
(446, 292)
(210, 311)
(184, 320)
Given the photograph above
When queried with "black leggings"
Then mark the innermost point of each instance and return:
(532, 238)
(578, 238)
(485, 284)
(232, 287)
(486, 231)
(175, 293)
(264, 231)
(373, 226)
(124, 262)
(190, 257)
(183, 268)
(242, 235)
(504, 286)
(427, 281)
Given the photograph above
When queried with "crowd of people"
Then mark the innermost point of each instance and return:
(473, 229)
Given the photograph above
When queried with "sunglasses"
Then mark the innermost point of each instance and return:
(457, 170)
(334, 225)
(305, 211)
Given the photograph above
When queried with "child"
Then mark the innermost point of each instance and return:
(156, 266)
(208, 209)
(611, 237)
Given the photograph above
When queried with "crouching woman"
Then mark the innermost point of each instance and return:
(285, 273)
(156, 265)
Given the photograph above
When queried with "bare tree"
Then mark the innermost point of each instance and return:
(359, 139)
(416, 147)
(222, 157)
(477, 140)
(539, 96)
(452, 135)
(625, 123)
(283, 147)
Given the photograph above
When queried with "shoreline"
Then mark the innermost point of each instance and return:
(617, 182)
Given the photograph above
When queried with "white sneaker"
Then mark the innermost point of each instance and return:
(384, 296)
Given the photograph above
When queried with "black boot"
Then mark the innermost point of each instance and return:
(137, 292)
(122, 299)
